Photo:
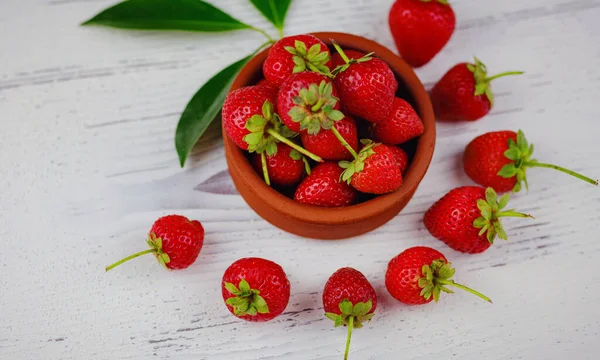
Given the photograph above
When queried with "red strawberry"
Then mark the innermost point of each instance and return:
(367, 87)
(349, 299)
(272, 88)
(295, 54)
(500, 160)
(285, 168)
(402, 125)
(418, 275)
(468, 218)
(255, 289)
(323, 188)
(337, 60)
(401, 158)
(174, 240)
(326, 145)
(421, 28)
(375, 170)
(307, 102)
(465, 93)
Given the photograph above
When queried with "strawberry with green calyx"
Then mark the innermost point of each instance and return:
(285, 168)
(322, 187)
(500, 159)
(375, 169)
(312, 59)
(174, 240)
(338, 144)
(464, 93)
(315, 108)
(468, 218)
(246, 301)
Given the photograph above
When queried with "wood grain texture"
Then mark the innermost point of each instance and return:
(88, 162)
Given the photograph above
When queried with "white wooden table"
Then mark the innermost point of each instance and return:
(88, 163)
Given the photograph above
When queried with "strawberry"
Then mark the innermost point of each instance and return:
(402, 125)
(174, 240)
(295, 54)
(323, 188)
(255, 289)
(337, 60)
(367, 87)
(500, 160)
(374, 170)
(284, 168)
(468, 218)
(418, 275)
(350, 300)
(326, 144)
(421, 28)
(465, 93)
(401, 158)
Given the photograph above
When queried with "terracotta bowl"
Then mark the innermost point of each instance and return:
(336, 223)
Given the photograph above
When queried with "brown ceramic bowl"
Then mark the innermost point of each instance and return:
(336, 223)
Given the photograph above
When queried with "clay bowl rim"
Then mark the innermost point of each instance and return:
(370, 208)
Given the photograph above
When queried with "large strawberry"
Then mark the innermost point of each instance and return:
(421, 28)
(367, 87)
(295, 54)
(337, 60)
(419, 275)
(350, 300)
(174, 240)
(328, 146)
(467, 219)
(255, 289)
(402, 125)
(375, 169)
(284, 168)
(465, 93)
(500, 159)
(323, 188)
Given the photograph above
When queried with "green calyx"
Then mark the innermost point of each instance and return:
(358, 164)
(312, 59)
(360, 312)
(520, 153)
(261, 127)
(348, 61)
(155, 244)
(482, 81)
(437, 276)
(445, 2)
(314, 108)
(491, 212)
(246, 301)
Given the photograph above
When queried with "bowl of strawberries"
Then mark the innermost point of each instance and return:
(327, 135)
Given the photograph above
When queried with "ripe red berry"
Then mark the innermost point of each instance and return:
(326, 145)
(255, 289)
(418, 275)
(174, 240)
(285, 168)
(402, 125)
(323, 188)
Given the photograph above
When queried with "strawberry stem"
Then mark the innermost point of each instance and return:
(510, 213)
(341, 52)
(350, 325)
(343, 142)
(562, 169)
(462, 287)
(263, 159)
(291, 144)
(149, 251)
(508, 73)
(306, 165)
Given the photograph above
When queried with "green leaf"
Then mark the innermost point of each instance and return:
(244, 286)
(346, 307)
(480, 222)
(231, 288)
(513, 153)
(503, 201)
(331, 316)
(486, 210)
(187, 15)
(203, 108)
(295, 154)
(508, 171)
(335, 115)
(491, 197)
(273, 10)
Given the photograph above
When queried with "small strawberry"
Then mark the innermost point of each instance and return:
(401, 158)
(284, 168)
(375, 169)
(465, 93)
(323, 188)
(328, 146)
(174, 240)
(255, 289)
(367, 87)
(418, 275)
(500, 160)
(294, 54)
(467, 219)
(350, 300)
(402, 125)
(421, 28)
(337, 60)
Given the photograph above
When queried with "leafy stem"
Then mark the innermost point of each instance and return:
(349, 338)
(561, 169)
(344, 142)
